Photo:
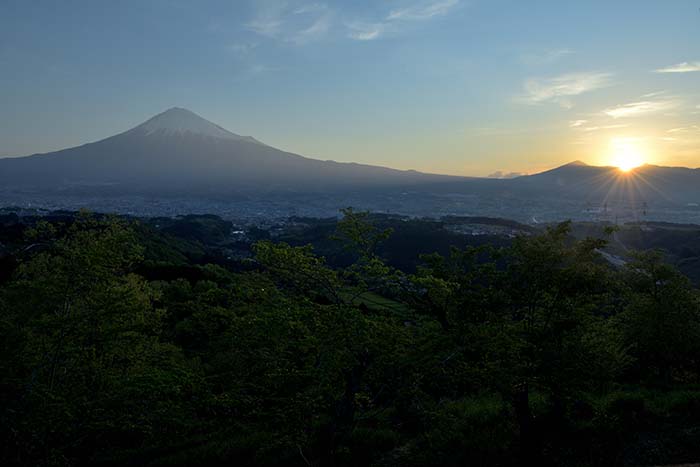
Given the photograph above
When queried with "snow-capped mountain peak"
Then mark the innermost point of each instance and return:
(179, 121)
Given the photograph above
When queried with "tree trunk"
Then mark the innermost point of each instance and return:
(530, 449)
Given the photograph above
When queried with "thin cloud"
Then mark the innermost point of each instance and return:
(685, 67)
(266, 27)
(545, 58)
(241, 48)
(560, 88)
(371, 30)
(317, 29)
(298, 25)
(637, 109)
(604, 127)
(310, 8)
(577, 123)
(422, 11)
(499, 131)
(254, 71)
(655, 94)
(268, 18)
(692, 128)
(505, 175)
(258, 69)
(366, 31)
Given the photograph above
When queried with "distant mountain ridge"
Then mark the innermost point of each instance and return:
(648, 183)
(179, 153)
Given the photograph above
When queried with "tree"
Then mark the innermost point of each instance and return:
(90, 369)
(661, 322)
(527, 318)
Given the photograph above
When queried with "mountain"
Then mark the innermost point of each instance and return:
(179, 152)
(645, 184)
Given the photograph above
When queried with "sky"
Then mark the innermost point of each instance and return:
(464, 87)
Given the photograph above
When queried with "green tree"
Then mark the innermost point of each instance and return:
(661, 322)
(90, 370)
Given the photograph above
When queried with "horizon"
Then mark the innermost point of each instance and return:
(499, 175)
(454, 87)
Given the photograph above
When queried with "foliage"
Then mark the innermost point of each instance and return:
(536, 352)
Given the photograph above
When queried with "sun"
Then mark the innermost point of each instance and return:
(627, 153)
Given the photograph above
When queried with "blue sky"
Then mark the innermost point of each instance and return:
(449, 86)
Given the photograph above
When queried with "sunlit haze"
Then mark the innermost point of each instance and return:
(627, 153)
(463, 87)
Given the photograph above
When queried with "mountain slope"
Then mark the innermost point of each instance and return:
(645, 184)
(178, 151)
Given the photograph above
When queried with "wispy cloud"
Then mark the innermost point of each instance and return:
(422, 10)
(265, 27)
(504, 175)
(253, 71)
(641, 108)
(500, 131)
(577, 123)
(371, 30)
(655, 94)
(561, 88)
(688, 136)
(544, 58)
(318, 28)
(311, 8)
(604, 127)
(242, 48)
(685, 67)
(692, 128)
(259, 69)
(366, 31)
(297, 24)
(268, 18)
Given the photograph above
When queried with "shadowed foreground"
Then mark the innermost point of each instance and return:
(536, 353)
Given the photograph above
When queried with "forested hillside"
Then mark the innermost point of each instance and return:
(126, 344)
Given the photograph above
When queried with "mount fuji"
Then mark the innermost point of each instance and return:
(179, 152)
(180, 155)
